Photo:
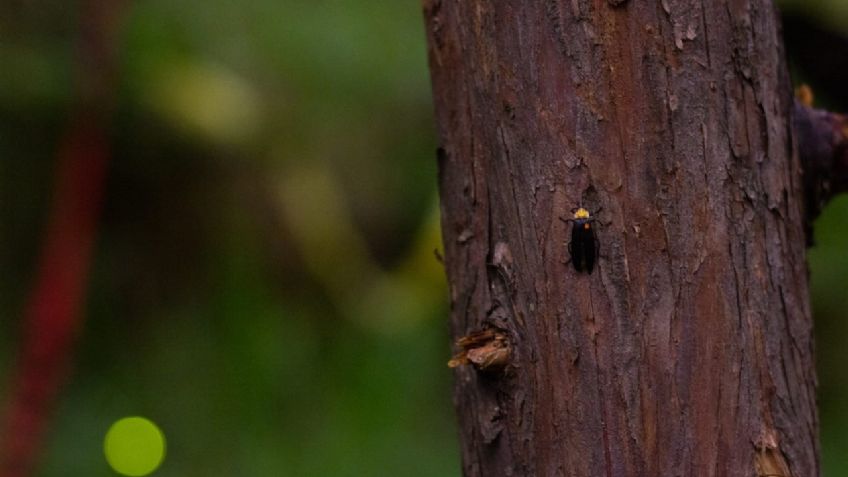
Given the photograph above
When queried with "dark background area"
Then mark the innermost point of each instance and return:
(264, 285)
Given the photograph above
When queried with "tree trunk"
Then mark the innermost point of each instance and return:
(689, 350)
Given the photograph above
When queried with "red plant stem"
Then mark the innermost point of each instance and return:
(53, 313)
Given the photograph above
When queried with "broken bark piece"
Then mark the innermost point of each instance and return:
(486, 350)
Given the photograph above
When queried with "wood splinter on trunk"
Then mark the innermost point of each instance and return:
(770, 461)
(487, 350)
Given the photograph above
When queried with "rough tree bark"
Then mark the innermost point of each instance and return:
(689, 350)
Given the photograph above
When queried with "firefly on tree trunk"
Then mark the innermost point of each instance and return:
(584, 247)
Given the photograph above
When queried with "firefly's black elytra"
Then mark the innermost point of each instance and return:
(584, 246)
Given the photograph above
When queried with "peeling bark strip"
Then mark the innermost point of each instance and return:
(689, 350)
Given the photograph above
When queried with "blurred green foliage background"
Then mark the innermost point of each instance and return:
(264, 286)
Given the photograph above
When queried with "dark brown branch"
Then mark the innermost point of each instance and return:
(816, 53)
(823, 146)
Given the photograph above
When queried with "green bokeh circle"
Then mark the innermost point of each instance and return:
(134, 446)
